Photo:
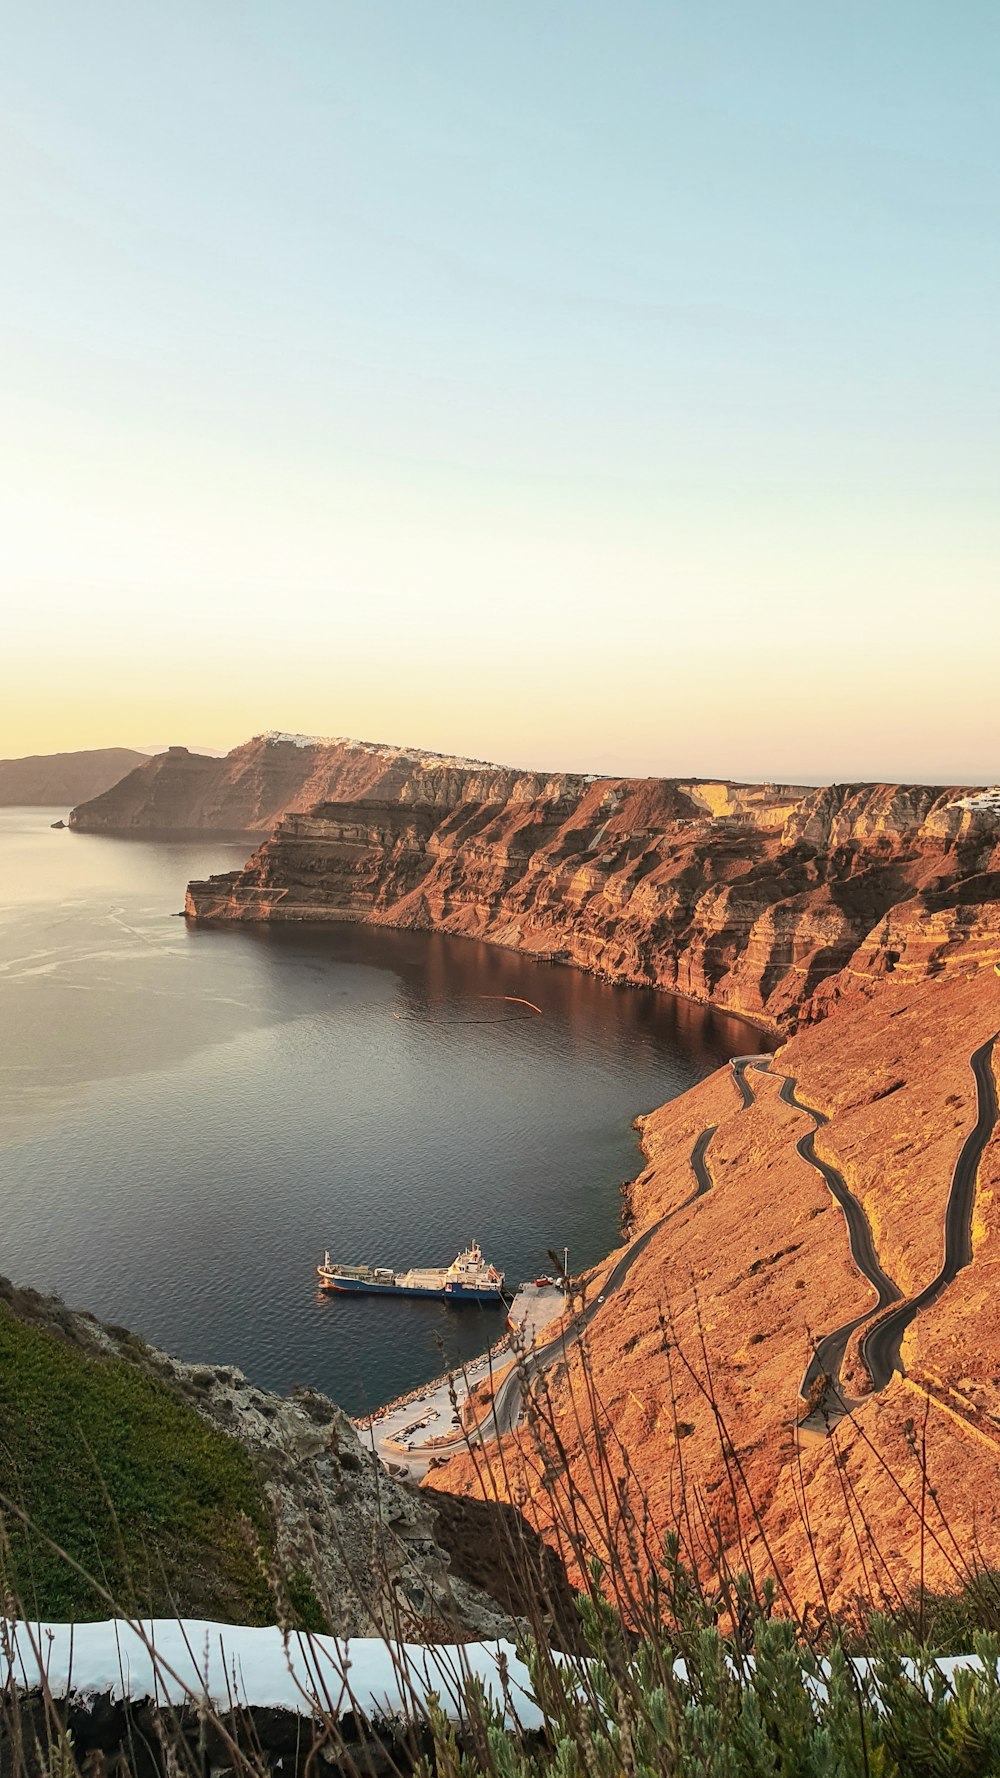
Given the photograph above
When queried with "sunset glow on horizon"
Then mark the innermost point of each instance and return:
(591, 387)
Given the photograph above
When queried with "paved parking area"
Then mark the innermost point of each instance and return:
(408, 1435)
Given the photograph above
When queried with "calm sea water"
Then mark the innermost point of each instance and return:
(189, 1116)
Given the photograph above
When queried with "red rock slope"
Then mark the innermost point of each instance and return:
(740, 1282)
(248, 790)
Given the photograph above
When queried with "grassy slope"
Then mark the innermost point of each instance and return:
(141, 1491)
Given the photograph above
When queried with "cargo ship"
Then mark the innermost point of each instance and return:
(467, 1280)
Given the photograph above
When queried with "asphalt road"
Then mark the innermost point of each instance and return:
(739, 1066)
(699, 1162)
(880, 1346)
(508, 1402)
(828, 1352)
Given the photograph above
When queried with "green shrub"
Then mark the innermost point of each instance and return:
(114, 1468)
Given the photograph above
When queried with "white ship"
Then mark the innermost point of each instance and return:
(467, 1280)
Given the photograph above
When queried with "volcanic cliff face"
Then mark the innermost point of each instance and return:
(774, 902)
(59, 779)
(746, 1302)
(249, 789)
(803, 1237)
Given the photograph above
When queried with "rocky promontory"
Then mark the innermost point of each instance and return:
(775, 902)
(249, 789)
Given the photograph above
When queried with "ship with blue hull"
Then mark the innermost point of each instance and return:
(467, 1280)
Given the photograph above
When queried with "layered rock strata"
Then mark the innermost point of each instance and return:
(249, 789)
(773, 902)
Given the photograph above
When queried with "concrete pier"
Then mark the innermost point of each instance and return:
(407, 1436)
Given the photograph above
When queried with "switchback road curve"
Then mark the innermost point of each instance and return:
(880, 1346)
(508, 1402)
(828, 1353)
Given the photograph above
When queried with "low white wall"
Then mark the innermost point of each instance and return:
(176, 1660)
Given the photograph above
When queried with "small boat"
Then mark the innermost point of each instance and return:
(467, 1280)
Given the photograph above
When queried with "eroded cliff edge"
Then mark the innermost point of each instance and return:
(250, 788)
(184, 1488)
(775, 902)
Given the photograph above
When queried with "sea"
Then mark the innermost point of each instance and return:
(190, 1116)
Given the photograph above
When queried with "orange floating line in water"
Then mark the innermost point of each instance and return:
(513, 1000)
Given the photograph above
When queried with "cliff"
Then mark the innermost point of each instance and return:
(806, 1232)
(193, 1492)
(251, 788)
(697, 1362)
(774, 902)
(56, 780)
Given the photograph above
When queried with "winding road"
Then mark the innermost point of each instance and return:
(699, 1164)
(881, 1345)
(828, 1353)
(879, 1348)
(738, 1067)
(508, 1402)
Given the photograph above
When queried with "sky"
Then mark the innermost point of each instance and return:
(610, 386)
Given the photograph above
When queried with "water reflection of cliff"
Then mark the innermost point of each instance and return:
(444, 979)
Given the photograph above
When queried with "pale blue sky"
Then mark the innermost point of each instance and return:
(603, 385)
